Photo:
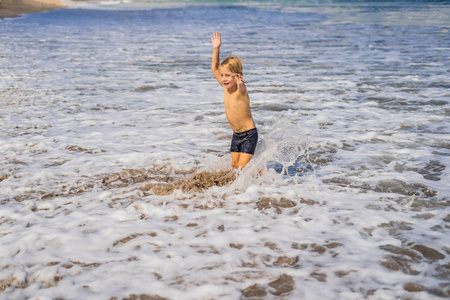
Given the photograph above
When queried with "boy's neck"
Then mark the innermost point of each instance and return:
(232, 89)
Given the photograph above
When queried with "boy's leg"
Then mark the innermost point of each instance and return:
(235, 159)
(239, 159)
(244, 158)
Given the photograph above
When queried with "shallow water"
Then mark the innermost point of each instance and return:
(109, 111)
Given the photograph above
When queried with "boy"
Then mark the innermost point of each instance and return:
(237, 105)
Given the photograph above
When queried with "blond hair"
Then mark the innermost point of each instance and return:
(233, 64)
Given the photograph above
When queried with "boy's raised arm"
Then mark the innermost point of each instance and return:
(216, 42)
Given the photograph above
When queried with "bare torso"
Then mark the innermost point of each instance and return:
(237, 110)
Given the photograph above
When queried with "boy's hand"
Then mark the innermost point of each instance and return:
(215, 39)
(237, 78)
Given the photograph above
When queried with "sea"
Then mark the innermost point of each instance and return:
(115, 177)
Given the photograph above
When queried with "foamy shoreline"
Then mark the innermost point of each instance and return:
(14, 8)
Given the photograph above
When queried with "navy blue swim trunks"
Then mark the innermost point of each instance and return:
(245, 142)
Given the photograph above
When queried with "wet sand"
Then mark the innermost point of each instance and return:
(14, 8)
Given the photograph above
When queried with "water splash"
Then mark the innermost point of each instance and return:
(285, 148)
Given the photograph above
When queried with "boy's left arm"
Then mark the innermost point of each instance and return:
(242, 89)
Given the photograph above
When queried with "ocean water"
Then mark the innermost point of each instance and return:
(114, 169)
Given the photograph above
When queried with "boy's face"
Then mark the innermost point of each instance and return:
(227, 78)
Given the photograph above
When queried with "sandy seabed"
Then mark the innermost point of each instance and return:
(14, 8)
